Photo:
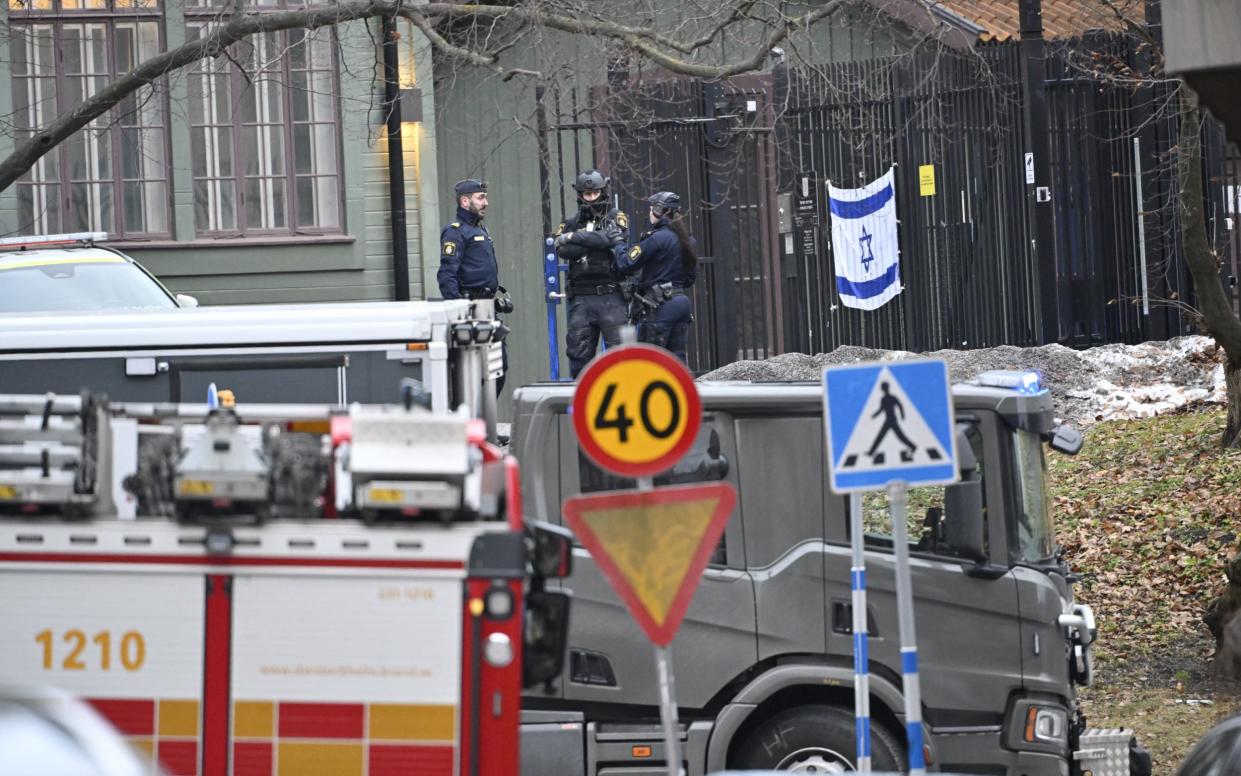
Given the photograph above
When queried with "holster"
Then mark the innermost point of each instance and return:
(665, 291)
(628, 289)
(640, 305)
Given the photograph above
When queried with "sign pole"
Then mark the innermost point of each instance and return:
(861, 646)
(898, 499)
(889, 426)
(667, 687)
(637, 412)
(668, 710)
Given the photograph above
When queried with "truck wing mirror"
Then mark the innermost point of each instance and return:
(549, 550)
(963, 519)
(966, 461)
(545, 636)
(1065, 439)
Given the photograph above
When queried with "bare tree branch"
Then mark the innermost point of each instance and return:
(777, 33)
(238, 24)
(666, 51)
(213, 44)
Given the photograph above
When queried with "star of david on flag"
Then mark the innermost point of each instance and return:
(864, 243)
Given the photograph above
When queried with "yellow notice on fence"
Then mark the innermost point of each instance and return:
(926, 180)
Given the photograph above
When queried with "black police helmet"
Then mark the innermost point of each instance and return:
(665, 203)
(469, 186)
(592, 180)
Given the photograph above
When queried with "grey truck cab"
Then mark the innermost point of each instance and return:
(763, 660)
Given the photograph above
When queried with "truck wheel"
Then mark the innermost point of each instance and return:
(815, 739)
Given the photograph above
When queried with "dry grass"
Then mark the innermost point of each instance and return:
(1149, 513)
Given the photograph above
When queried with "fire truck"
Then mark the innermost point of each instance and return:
(335, 352)
(277, 589)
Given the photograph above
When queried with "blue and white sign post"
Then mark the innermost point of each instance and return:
(889, 425)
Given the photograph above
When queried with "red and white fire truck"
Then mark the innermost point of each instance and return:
(303, 590)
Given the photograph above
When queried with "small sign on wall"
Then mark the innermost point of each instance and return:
(926, 180)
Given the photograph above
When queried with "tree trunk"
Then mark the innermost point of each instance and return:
(1232, 384)
(1213, 303)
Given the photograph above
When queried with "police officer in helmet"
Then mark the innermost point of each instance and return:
(666, 262)
(468, 266)
(585, 241)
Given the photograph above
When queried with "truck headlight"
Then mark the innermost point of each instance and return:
(1046, 725)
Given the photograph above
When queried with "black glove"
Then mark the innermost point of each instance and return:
(562, 239)
(614, 234)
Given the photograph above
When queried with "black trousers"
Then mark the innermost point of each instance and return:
(592, 316)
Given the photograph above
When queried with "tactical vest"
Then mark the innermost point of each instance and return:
(596, 265)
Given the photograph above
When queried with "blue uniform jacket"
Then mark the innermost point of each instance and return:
(658, 256)
(467, 258)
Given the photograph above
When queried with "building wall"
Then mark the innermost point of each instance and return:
(479, 138)
(1201, 35)
(355, 265)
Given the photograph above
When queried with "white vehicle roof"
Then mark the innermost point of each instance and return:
(239, 325)
(42, 257)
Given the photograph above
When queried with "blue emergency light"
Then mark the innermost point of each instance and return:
(1012, 379)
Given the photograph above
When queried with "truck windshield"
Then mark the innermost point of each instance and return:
(1035, 535)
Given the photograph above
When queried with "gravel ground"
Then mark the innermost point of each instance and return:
(1102, 383)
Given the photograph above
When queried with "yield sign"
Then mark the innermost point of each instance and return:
(652, 546)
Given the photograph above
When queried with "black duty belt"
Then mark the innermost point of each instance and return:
(597, 289)
(479, 293)
(663, 292)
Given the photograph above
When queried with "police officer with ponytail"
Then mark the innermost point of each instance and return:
(585, 241)
(667, 264)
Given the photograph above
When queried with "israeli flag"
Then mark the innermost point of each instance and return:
(864, 243)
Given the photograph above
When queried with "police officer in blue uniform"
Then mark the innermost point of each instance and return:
(468, 266)
(667, 262)
(585, 241)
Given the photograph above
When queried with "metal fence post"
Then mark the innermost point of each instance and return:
(1034, 64)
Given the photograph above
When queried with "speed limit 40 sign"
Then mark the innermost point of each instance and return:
(636, 410)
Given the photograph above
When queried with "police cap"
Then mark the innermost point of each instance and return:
(665, 202)
(469, 186)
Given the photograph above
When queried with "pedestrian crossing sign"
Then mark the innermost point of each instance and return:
(889, 422)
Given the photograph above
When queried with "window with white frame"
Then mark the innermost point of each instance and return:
(113, 174)
(266, 139)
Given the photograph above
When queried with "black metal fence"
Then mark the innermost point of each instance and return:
(744, 153)
(968, 276)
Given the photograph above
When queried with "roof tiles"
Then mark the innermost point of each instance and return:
(1001, 19)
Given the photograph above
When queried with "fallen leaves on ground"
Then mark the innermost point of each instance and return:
(1149, 514)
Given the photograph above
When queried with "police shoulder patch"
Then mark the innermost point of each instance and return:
(635, 251)
(449, 248)
(622, 220)
(559, 230)
(455, 224)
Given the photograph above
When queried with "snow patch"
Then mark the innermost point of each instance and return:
(1103, 383)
